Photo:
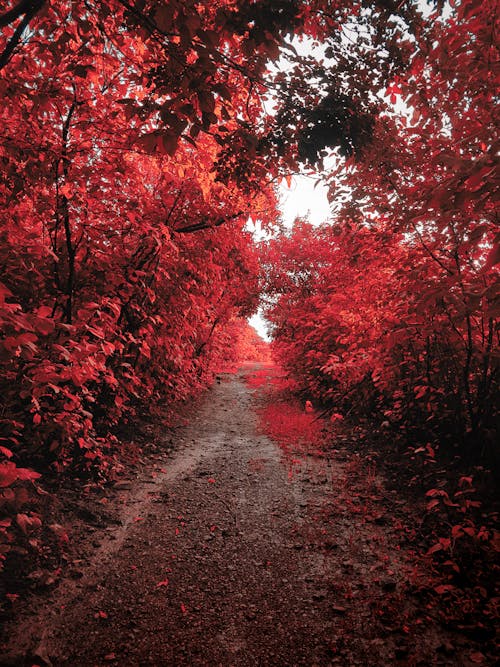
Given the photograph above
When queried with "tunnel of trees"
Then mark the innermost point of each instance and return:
(138, 137)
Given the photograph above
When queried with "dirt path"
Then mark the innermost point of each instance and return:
(232, 556)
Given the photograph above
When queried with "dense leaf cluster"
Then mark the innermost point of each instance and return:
(392, 308)
(136, 138)
(125, 268)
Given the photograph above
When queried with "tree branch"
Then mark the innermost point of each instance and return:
(12, 14)
(27, 7)
(205, 224)
(70, 248)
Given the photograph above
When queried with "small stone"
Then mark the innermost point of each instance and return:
(338, 609)
(122, 486)
(319, 595)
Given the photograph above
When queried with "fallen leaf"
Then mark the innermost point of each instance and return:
(444, 588)
(162, 583)
(338, 609)
(60, 532)
(28, 523)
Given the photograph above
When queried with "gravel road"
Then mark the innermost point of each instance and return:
(232, 555)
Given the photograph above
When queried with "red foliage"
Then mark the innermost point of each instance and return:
(295, 428)
(136, 141)
(392, 309)
(241, 345)
(123, 257)
(117, 272)
(296, 431)
(259, 378)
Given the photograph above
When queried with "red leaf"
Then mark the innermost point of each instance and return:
(28, 523)
(162, 583)
(477, 657)
(66, 191)
(44, 325)
(9, 474)
(432, 503)
(493, 257)
(444, 588)
(475, 181)
(436, 547)
(60, 532)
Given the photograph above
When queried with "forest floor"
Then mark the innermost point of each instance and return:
(224, 548)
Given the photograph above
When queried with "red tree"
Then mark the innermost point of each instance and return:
(395, 304)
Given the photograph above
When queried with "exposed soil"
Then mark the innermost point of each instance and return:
(225, 552)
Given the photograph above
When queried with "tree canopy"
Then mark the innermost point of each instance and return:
(137, 138)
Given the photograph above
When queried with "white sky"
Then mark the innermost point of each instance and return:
(304, 200)
(300, 200)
